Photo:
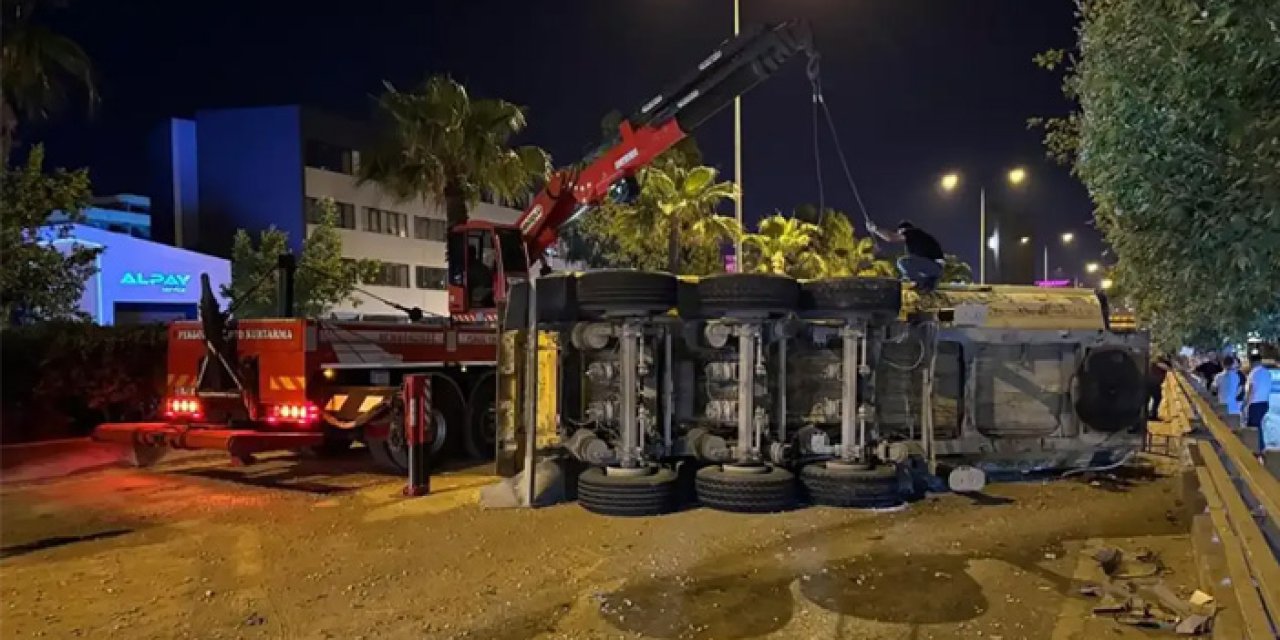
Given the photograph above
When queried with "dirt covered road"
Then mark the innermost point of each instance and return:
(285, 549)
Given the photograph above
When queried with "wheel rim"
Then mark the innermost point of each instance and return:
(399, 445)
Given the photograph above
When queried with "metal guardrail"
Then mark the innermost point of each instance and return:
(1243, 501)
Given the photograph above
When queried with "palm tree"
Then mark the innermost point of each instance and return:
(39, 70)
(441, 144)
(784, 246)
(956, 270)
(844, 252)
(684, 200)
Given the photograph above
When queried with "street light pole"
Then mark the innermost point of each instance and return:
(1046, 261)
(982, 235)
(737, 156)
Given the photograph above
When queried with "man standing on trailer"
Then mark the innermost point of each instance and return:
(923, 262)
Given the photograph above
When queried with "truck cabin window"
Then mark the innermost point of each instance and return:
(481, 262)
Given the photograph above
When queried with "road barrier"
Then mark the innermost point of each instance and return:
(1242, 501)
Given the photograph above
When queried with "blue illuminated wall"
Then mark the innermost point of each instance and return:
(250, 173)
(138, 273)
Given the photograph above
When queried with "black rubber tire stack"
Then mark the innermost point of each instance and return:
(768, 492)
(614, 495)
(869, 488)
(749, 292)
(881, 296)
(626, 291)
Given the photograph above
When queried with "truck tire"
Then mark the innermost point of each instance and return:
(872, 295)
(613, 495)
(1109, 390)
(755, 292)
(557, 298)
(391, 453)
(876, 487)
(769, 492)
(481, 437)
(626, 291)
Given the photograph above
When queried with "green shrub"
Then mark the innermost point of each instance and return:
(61, 379)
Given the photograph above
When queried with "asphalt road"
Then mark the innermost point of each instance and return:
(298, 548)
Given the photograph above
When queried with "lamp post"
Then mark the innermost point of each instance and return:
(737, 155)
(951, 181)
(1066, 238)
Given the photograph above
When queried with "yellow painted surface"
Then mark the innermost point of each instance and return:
(1013, 307)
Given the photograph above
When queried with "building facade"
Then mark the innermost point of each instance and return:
(271, 166)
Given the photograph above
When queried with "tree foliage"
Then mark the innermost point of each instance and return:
(672, 226)
(40, 277)
(1177, 139)
(844, 253)
(955, 270)
(39, 69)
(783, 246)
(441, 144)
(323, 277)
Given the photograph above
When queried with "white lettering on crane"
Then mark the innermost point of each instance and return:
(242, 334)
(626, 158)
(710, 60)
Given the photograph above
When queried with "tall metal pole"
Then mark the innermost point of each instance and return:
(737, 156)
(1046, 261)
(982, 236)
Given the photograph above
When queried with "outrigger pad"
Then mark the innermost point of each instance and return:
(511, 492)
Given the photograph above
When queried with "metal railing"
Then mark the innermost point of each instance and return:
(1242, 499)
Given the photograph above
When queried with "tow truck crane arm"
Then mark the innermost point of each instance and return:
(731, 70)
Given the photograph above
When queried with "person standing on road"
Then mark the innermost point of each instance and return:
(923, 262)
(1209, 369)
(1155, 386)
(1258, 397)
(1229, 385)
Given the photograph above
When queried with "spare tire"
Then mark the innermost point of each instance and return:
(626, 291)
(755, 292)
(1110, 390)
(872, 295)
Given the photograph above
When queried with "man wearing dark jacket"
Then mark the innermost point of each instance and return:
(923, 262)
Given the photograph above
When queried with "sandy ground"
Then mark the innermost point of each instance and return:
(297, 548)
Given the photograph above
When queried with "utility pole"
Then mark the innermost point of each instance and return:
(737, 154)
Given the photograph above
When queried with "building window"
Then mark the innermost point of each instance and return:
(429, 228)
(330, 157)
(373, 220)
(397, 224)
(430, 277)
(392, 275)
(345, 218)
(388, 222)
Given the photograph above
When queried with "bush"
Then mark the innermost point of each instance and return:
(61, 379)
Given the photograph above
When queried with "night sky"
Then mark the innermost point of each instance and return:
(918, 87)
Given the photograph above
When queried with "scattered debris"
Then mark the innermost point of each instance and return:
(1194, 625)
(255, 619)
(1200, 598)
(1136, 596)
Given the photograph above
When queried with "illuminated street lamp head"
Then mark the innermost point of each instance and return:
(1106, 283)
(1017, 175)
(950, 181)
(1024, 239)
(1091, 267)
(1068, 237)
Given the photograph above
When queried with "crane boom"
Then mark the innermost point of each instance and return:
(731, 70)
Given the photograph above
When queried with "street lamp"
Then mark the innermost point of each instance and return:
(1091, 267)
(950, 182)
(737, 155)
(1024, 239)
(1066, 239)
(1106, 283)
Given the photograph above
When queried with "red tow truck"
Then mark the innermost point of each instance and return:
(248, 386)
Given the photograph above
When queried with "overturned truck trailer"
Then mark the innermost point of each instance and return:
(766, 391)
